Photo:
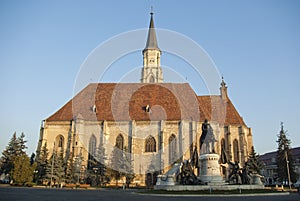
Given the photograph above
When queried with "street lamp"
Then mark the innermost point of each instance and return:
(96, 174)
(35, 176)
(52, 165)
(78, 161)
(288, 170)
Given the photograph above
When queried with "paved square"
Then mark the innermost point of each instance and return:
(43, 194)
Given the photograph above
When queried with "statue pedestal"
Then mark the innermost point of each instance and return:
(256, 179)
(169, 178)
(165, 180)
(210, 169)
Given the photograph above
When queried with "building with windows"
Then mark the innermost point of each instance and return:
(269, 170)
(158, 123)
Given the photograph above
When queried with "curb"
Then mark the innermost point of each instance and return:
(214, 195)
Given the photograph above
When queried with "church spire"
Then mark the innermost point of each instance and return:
(151, 71)
(151, 40)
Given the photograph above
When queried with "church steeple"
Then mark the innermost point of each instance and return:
(151, 72)
(151, 40)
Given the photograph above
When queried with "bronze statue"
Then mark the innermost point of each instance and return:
(207, 137)
(186, 175)
(235, 174)
(245, 175)
(205, 126)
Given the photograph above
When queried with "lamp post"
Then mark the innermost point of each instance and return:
(288, 170)
(35, 172)
(52, 165)
(95, 169)
(78, 162)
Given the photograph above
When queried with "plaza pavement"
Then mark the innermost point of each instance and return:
(8, 193)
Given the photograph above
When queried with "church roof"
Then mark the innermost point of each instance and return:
(215, 109)
(151, 40)
(141, 101)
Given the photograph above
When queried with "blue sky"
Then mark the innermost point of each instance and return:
(254, 44)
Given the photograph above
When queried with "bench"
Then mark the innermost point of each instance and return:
(86, 186)
(70, 186)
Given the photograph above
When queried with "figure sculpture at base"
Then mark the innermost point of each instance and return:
(245, 175)
(235, 175)
(186, 175)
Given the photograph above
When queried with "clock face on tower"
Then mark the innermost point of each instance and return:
(151, 60)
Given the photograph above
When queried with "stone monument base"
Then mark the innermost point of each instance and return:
(210, 169)
(165, 180)
(169, 179)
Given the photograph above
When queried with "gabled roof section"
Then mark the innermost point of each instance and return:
(151, 40)
(128, 101)
(215, 109)
(142, 101)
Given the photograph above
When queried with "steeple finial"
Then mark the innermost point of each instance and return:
(151, 12)
(223, 84)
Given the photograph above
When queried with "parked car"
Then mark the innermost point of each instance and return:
(4, 181)
(297, 185)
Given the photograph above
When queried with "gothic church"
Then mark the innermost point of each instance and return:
(158, 123)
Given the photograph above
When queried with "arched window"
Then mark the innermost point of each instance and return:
(236, 150)
(92, 145)
(151, 79)
(150, 144)
(120, 141)
(59, 142)
(172, 149)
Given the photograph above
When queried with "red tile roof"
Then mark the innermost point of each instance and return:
(217, 110)
(128, 101)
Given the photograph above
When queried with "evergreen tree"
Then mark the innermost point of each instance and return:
(284, 158)
(42, 163)
(98, 167)
(22, 171)
(77, 165)
(32, 158)
(22, 144)
(115, 164)
(49, 171)
(154, 164)
(59, 168)
(70, 170)
(100, 158)
(13, 154)
(126, 168)
(253, 164)
(9, 154)
(55, 168)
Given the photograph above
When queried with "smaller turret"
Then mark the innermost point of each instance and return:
(223, 90)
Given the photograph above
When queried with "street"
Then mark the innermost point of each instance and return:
(43, 194)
